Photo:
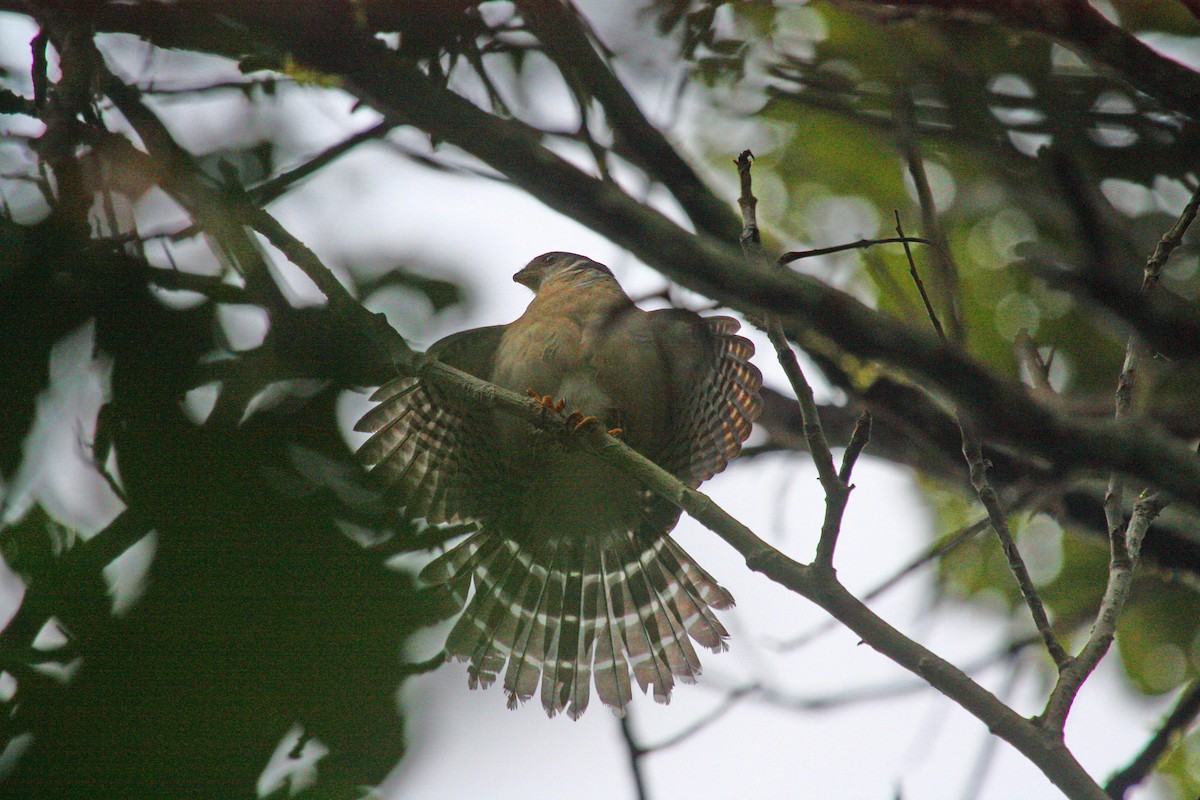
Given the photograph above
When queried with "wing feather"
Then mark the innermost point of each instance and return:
(716, 389)
(430, 448)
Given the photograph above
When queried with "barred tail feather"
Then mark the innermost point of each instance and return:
(700, 594)
(449, 575)
(640, 627)
(568, 611)
(566, 665)
(668, 594)
(484, 633)
(525, 664)
(612, 670)
(579, 692)
(556, 585)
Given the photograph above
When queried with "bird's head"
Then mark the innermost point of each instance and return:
(549, 266)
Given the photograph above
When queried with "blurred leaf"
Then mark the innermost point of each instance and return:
(32, 545)
(1157, 636)
(1181, 766)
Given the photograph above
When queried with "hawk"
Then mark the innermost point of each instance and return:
(575, 576)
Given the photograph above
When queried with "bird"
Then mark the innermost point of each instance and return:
(576, 578)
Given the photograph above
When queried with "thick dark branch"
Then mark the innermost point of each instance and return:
(1084, 30)
(1002, 410)
(565, 41)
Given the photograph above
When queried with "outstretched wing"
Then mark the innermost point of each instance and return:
(715, 392)
(432, 449)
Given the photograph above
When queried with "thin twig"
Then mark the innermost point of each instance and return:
(1125, 539)
(635, 756)
(836, 485)
(1039, 370)
(731, 699)
(1169, 241)
(978, 466)
(945, 271)
(920, 284)
(1180, 719)
(414, 668)
(796, 255)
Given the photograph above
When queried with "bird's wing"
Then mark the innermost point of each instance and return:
(431, 448)
(715, 391)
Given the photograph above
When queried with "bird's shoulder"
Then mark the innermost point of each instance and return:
(472, 350)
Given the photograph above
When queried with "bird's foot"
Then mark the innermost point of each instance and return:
(581, 424)
(577, 421)
(547, 402)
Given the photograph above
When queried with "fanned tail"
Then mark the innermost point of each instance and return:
(568, 611)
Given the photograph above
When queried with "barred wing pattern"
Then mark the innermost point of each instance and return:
(432, 450)
(718, 413)
(555, 611)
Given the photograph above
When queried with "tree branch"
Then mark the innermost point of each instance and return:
(818, 585)
(1181, 717)
(565, 40)
(836, 484)
(635, 753)
(1003, 410)
(1082, 29)
(978, 466)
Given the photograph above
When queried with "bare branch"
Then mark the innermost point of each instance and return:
(978, 465)
(1120, 572)
(1169, 242)
(836, 486)
(1125, 540)
(1179, 720)
(796, 255)
(635, 752)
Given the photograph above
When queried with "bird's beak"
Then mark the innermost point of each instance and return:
(525, 278)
